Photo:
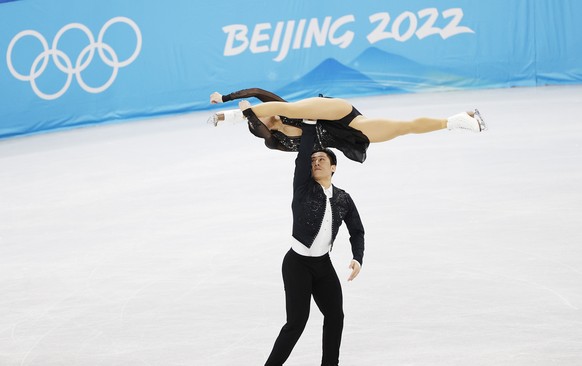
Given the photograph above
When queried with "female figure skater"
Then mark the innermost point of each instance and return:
(339, 124)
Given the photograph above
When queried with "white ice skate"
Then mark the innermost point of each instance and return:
(463, 121)
(232, 116)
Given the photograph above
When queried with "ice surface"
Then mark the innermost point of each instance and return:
(159, 242)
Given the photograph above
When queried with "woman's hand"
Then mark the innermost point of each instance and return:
(244, 104)
(215, 98)
(355, 267)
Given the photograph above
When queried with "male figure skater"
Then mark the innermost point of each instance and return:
(318, 211)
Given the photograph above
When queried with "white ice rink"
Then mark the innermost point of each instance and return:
(159, 242)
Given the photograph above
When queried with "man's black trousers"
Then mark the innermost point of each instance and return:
(304, 277)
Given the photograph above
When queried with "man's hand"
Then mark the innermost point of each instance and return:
(355, 267)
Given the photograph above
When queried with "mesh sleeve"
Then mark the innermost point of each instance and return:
(261, 94)
(258, 128)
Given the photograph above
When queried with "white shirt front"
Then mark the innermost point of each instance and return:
(322, 243)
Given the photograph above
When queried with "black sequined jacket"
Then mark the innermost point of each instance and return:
(309, 203)
(336, 134)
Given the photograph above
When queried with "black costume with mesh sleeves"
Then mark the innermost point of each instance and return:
(330, 133)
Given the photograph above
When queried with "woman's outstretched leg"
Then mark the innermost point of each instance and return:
(380, 130)
(310, 108)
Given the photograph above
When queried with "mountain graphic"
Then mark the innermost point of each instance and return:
(389, 69)
(331, 78)
(390, 63)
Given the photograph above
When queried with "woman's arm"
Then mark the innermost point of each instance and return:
(258, 128)
(261, 94)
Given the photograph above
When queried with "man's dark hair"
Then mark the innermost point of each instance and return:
(330, 154)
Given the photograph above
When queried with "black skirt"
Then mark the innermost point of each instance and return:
(330, 133)
(338, 134)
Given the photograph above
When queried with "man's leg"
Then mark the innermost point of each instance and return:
(297, 282)
(327, 293)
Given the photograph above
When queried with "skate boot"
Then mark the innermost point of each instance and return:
(232, 115)
(463, 121)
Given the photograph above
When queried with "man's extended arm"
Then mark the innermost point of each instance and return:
(303, 161)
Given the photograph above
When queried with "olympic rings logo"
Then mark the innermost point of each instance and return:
(64, 63)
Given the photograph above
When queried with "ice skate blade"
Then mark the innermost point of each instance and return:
(479, 118)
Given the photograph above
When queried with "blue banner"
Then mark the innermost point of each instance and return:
(67, 63)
